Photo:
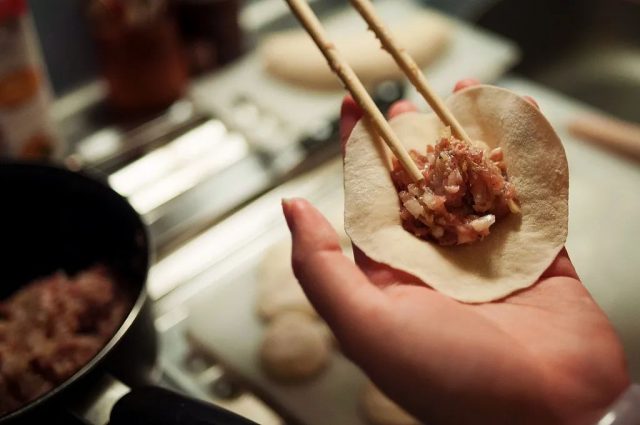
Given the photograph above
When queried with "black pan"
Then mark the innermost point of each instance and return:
(54, 219)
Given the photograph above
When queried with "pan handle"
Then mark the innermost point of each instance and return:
(159, 406)
(112, 402)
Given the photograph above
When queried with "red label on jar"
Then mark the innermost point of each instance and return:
(12, 9)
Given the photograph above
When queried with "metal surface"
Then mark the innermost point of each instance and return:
(95, 406)
(168, 167)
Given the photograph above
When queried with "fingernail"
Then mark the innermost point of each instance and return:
(532, 101)
(286, 209)
(463, 84)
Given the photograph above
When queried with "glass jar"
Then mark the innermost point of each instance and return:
(142, 59)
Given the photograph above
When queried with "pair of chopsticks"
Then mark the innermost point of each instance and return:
(310, 21)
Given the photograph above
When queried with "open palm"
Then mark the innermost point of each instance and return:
(544, 355)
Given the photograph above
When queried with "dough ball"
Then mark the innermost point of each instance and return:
(378, 409)
(278, 289)
(328, 334)
(294, 348)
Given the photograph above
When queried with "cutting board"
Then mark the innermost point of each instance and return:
(224, 325)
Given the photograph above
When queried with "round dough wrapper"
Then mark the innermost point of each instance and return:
(293, 57)
(519, 247)
(378, 409)
(294, 348)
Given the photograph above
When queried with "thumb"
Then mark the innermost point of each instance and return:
(337, 288)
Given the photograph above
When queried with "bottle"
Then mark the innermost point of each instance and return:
(27, 130)
(141, 55)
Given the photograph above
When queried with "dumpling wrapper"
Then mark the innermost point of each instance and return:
(293, 57)
(520, 246)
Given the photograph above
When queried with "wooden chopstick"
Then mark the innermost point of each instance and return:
(409, 67)
(310, 21)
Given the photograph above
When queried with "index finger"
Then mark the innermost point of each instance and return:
(337, 288)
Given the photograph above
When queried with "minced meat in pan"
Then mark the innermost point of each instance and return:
(53, 326)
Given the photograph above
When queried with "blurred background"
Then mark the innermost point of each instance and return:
(205, 113)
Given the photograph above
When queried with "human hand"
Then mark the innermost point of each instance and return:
(544, 355)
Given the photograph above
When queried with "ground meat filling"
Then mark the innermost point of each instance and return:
(52, 327)
(465, 189)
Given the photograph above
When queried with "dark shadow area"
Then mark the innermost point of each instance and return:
(586, 49)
